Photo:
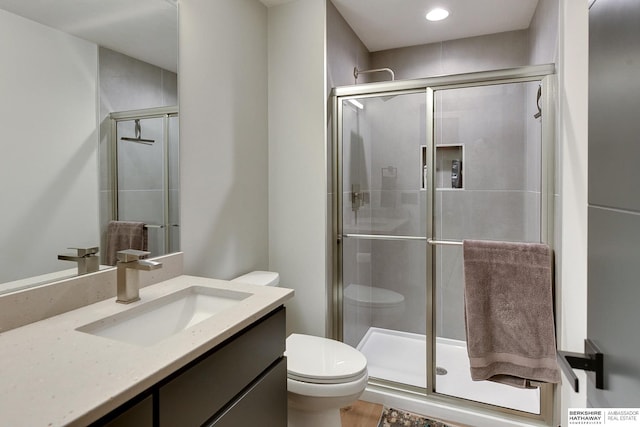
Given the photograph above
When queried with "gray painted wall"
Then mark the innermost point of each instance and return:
(297, 146)
(223, 137)
(48, 170)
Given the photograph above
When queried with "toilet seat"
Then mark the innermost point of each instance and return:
(320, 360)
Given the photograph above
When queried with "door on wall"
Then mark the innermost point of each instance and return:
(614, 201)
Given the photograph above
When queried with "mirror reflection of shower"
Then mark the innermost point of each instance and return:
(145, 175)
(138, 135)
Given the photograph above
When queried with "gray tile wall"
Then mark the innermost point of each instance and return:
(500, 199)
(382, 155)
(490, 52)
(501, 195)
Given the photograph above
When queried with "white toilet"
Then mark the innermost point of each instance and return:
(323, 375)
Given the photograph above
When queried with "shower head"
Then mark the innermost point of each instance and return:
(357, 72)
(138, 138)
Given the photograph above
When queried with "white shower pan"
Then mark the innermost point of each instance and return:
(401, 357)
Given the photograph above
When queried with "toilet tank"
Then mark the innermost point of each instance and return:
(262, 278)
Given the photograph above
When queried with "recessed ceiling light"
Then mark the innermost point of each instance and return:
(437, 14)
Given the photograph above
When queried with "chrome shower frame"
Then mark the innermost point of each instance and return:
(544, 74)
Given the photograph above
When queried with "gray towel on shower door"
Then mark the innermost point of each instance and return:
(509, 312)
(123, 235)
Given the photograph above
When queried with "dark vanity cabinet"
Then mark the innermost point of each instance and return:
(134, 413)
(243, 381)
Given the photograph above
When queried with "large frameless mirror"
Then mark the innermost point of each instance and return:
(65, 70)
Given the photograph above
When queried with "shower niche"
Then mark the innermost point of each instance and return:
(449, 165)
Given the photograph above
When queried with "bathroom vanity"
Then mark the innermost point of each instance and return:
(240, 382)
(111, 364)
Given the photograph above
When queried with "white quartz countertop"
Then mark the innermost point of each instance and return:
(53, 375)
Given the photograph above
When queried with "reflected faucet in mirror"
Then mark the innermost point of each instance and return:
(128, 291)
(86, 258)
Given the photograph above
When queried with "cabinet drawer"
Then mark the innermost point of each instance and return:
(265, 403)
(197, 394)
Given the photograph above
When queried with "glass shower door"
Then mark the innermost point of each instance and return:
(383, 248)
(488, 159)
(421, 166)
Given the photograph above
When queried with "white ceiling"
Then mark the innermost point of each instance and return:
(148, 29)
(388, 24)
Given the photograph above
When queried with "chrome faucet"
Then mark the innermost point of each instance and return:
(86, 258)
(129, 290)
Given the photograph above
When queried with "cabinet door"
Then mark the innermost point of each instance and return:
(264, 403)
(200, 392)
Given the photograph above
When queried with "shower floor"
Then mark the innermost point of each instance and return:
(401, 357)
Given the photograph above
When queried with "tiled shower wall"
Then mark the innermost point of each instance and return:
(129, 84)
(501, 176)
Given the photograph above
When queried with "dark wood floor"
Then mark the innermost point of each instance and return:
(361, 414)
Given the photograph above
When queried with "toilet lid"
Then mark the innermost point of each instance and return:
(322, 360)
(371, 296)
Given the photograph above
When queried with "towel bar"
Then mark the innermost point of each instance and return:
(444, 242)
(383, 237)
(591, 360)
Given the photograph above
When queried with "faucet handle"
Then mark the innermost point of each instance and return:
(129, 255)
(82, 252)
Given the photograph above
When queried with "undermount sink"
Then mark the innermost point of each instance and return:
(153, 321)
